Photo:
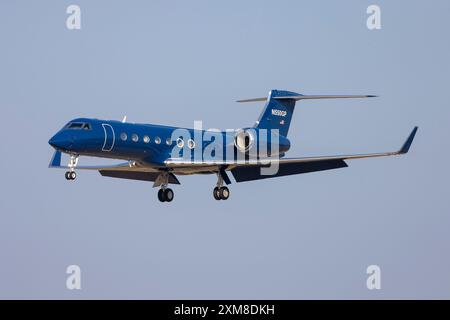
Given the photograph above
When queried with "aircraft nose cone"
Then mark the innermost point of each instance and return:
(60, 142)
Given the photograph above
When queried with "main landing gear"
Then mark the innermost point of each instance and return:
(71, 174)
(165, 194)
(220, 192)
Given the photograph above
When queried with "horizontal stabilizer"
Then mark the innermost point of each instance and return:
(253, 100)
(314, 97)
(310, 97)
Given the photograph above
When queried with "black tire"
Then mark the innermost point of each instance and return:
(224, 193)
(67, 175)
(168, 194)
(216, 193)
(73, 175)
(161, 196)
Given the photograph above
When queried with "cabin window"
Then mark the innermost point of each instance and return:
(191, 144)
(169, 141)
(157, 140)
(135, 137)
(123, 136)
(180, 143)
(146, 139)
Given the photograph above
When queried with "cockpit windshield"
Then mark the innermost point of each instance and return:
(79, 126)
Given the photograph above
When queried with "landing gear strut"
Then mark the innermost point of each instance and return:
(165, 194)
(220, 192)
(71, 174)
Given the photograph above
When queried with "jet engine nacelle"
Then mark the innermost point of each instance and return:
(245, 140)
(262, 143)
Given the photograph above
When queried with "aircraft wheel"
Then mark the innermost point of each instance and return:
(168, 195)
(161, 196)
(224, 193)
(72, 175)
(216, 193)
(67, 175)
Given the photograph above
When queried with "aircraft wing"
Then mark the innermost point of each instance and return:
(56, 163)
(246, 170)
(126, 170)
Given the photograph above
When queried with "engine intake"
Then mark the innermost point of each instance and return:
(244, 140)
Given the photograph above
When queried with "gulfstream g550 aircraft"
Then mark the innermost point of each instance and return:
(161, 153)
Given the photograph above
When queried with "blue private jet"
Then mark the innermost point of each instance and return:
(161, 153)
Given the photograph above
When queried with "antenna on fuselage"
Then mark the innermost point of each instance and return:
(124, 119)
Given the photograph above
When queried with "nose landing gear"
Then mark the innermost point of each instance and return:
(71, 174)
(220, 192)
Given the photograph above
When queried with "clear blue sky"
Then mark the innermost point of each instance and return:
(305, 236)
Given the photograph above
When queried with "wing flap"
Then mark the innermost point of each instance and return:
(137, 175)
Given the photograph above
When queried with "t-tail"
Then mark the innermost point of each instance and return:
(280, 105)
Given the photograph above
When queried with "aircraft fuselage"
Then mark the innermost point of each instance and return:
(150, 143)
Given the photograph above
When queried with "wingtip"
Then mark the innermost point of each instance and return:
(409, 141)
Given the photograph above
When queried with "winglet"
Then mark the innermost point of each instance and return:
(408, 142)
(56, 160)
